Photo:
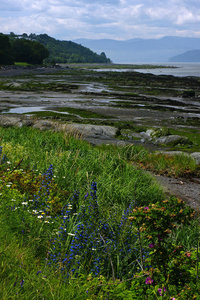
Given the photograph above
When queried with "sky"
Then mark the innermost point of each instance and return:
(101, 19)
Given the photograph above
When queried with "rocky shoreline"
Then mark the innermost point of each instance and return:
(187, 189)
(99, 134)
(119, 103)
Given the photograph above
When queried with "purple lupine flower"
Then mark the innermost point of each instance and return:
(151, 245)
(15, 282)
(38, 272)
(22, 283)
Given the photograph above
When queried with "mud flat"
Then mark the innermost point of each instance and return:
(126, 100)
(130, 101)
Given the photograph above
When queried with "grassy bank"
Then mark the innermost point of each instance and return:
(81, 222)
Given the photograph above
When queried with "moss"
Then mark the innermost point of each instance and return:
(83, 113)
(158, 132)
(37, 86)
(54, 115)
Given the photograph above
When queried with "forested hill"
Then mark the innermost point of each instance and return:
(68, 52)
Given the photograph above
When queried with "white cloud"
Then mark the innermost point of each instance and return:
(119, 19)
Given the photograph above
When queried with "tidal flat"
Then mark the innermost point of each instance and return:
(101, 95)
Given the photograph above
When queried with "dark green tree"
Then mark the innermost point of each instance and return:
(6, 53)
(28, 51)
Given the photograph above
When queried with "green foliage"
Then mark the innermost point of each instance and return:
(34, 49)
(173, 165)
(28, 51)
(170, 266)
(6, 53)
(158, 132)
(69, 52)
(137, 235)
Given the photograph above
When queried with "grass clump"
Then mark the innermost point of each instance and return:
(79, 222)
(177, 165)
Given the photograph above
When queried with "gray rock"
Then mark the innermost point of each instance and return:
(6, 121)
(173, 140)
(172, 153)
(14, 84)
(149, 132)
(93, 131)
(128, 133)
(44, 125)
(27, 122)
(151, 135)
(196, 156)
(146, 136)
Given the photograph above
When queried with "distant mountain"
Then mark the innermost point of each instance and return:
(188, 56)
(142, 50)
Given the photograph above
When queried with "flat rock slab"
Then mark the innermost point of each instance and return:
(94, 131)
(44, 125)
(173, 140)
(7, 121)
(85, 130)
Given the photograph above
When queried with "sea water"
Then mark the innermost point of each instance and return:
(177, 69)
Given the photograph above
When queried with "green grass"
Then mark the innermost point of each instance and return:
(79, 163)
(22, 64)
(76, 165)
(25, 239)
(176, 165)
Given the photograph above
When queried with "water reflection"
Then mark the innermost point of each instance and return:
(24, 110)
(29, 109)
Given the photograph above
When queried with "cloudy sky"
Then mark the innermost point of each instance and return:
(97, 19)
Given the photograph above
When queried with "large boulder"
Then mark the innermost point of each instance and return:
(93, 131)
(7, 121)
(173, 140)
(160, 136)
(44, 124)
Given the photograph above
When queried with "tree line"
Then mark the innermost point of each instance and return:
(21, 50)
(69, 52)
(38, 49)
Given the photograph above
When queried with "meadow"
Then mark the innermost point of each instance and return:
(85, 222)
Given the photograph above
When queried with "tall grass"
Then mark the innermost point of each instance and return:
(76, 164)
(64, 218)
